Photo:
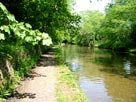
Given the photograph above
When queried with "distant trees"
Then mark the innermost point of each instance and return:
(116, 29)
(119, 26)
(90, 25)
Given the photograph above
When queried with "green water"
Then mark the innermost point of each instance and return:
(104, 76)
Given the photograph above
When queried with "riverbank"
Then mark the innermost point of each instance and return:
(46, 83)
(67, 86)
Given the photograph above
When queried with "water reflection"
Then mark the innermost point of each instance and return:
(117, 63)
(74, 64)
(127, 67)
(103, 75)
(95, 85)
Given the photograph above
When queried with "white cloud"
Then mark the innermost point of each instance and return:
(82, 5)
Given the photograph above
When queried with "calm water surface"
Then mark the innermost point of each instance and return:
(104, 76)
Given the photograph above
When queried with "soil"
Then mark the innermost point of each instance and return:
(39, 85)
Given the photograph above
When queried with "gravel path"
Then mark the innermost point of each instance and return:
(39, 86)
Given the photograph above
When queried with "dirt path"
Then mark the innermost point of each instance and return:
(39, 86)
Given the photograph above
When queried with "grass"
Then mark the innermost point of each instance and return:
(68, 89)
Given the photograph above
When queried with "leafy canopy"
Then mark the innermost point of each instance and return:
(118, 29)
(11, 29)
(51, 16)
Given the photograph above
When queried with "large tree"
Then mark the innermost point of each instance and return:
(51, 16)
(119, 27)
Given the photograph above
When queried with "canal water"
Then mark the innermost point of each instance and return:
(104, 75)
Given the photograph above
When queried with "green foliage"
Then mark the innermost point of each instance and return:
(118, 28)
(22, 58)
(7, 88)
(19, 44)
(91, 22)
(51, 16)
(5, 17)
(22, 32)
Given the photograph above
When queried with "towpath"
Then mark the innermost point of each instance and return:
(40, 83)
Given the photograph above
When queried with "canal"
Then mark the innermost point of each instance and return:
(104, 75)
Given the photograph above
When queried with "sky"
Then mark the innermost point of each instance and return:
(82, 5)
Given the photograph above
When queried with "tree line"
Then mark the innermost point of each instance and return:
(116, 29)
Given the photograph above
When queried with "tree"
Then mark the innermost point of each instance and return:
(50, 16)
(19, 48)
(91, 22)
(118, 29)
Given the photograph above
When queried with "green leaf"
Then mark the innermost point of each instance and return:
(11, 17)
(47, 42)
(34, 43)
(6, 29)
(3, 7)
(28, 25)
(38, 38)
(2, 36)
(45, 35)
(28, 39)
(21, 26)
(17, 32)
(22, 35)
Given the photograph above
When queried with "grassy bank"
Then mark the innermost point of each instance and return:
(68, 89)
